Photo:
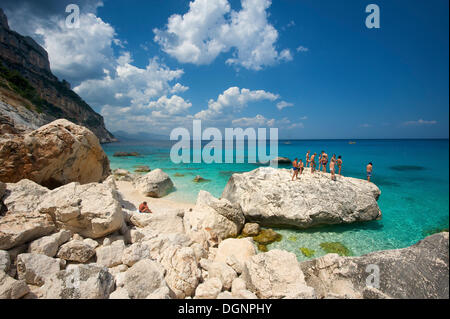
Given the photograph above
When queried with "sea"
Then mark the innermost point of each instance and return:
(413, 176)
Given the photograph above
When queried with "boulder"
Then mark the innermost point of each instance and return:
(110, 256)
(416, 272)
(53, 155)
(91, 210)
(165, 222)
(125, 154)
(242, 250)
(120, 293)
(135, 253)
(212, 220)
(144, 278)
(161, 293)
(250, 229)
(79, 282)
(183, 273)
(269, 197)
(36, 268)
(49, 245)
(154, 184)
(5, 261)
(210, 289)
(142, 169)
(280, 160)
(223, 272)
(276, 275)
(23, 223)
(76, 250)
(11, 288)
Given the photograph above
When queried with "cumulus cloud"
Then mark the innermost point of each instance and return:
(419, 122)
(283, 104)
(257, 121)
(211, 27)
(302, 49)
(234, 98)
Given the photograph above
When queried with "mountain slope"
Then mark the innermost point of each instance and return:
(30, 95)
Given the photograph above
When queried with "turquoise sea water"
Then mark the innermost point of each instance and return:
(413, 176)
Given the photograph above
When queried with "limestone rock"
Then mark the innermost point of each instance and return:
(222, 271)
(120, 293)
(183, 274)
(144, 278)
(210, 289)
(91, 210)
(36, 268)
(79, 282)
(5, 261)
(135, 253)
(110, 256)
(242, 250)
(160, 222)
(416, 272)
(11, 288)
(53, 155)
(269, 197)
(49, 245)
(161, 293)
(76, 250)
(276, 275)
(251, 229)
(154, 184)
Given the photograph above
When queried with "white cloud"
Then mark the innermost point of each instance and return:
(302, 49)
(283, 104)
(171, 106)
(179, 88)
(79, 53)
(257, 121)
(419, 122)
(234, 98)
(211, 27)
(365, 125)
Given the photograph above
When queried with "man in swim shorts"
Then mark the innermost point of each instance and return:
(339, 164)
(313, 163)
(143, 208)
(324, 162)
(307, 159)
(295, 168)
(300, 167)
(369, 171)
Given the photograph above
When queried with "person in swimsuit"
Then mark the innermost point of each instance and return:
(307, 159)
(332, 163)
(320, 160)
(300, 167)
(143, 208)
(313, 163)
(369, 169)
(295, 168)
(324, 162)
(339, 164)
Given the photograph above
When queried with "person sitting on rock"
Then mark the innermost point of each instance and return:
(143, 208)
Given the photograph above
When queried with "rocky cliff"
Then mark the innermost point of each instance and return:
(30, 95)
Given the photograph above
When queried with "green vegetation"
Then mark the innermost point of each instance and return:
(267, 236)
(335, 248)
(292, 238)
(432, 231)
(20, 85)
(307, 252)
(262, 248)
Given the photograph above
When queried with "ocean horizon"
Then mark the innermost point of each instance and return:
(412, 175)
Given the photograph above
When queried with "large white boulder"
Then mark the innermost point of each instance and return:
(36, 268)
(5, 261)
(48, 245)
(79, 282)
(269, 196)
(91, 210)
(165, 222)
(11, 288)
(76, 250)
(111, 255)
(154, 184)
(144, 278)
(276, 275)
(209, 289)
(53, 155)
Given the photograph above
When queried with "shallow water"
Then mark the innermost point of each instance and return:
(413, 176)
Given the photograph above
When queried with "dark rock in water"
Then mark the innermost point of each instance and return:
(178, 175)
(267, 236)
(142, 169)
(417, 272)
(199, 179)
(335, 248)
(281, 160)
(125, 154)
(406, 168)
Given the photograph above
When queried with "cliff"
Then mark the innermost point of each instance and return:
(32, 96)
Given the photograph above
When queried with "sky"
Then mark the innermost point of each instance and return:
(310, 68)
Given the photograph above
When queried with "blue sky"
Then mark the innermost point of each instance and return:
(337, 78)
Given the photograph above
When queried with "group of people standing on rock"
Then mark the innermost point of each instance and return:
(298, 166)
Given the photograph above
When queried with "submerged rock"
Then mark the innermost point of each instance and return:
(126, 154)
(416, 272)
(142, 169)
(269, 197)
(154, 184)
(55, 154)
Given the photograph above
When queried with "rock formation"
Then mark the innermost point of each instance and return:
(154, 184)
(269, 197)
(25, 67)
(53, 155)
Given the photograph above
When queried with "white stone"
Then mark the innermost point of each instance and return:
(110, 256)
(210, 289)
(154, 184)
(36, 268)
(49, 245)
